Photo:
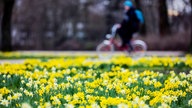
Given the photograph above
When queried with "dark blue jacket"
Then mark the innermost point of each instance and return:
(130, 21)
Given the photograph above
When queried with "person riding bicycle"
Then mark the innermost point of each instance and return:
(128, 26)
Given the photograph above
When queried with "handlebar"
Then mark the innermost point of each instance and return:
(114, 29)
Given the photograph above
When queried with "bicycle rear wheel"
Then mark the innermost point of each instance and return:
(139, 48)
(105, 49)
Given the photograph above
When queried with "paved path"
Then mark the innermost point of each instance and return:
(150, 53)
(92, 53)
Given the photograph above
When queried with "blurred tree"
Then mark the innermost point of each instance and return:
(191, 29)
(163, 21)
(151, 15)
(58, 24)
(138, 4)
(111, 6)
(6, 24)
(156, 16)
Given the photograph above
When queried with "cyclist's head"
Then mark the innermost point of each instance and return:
(128, 4)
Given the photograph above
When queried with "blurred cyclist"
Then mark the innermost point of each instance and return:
(129, 25)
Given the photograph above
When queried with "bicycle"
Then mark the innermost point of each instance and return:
(108, 46)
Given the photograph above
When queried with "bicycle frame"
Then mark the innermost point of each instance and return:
(110, 44)
(113, 41)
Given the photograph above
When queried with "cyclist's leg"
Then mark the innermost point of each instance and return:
(122, 35)
(130, 46)
(129, 37)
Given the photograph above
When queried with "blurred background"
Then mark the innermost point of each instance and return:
(83, 24)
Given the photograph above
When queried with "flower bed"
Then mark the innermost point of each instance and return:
(90, 82)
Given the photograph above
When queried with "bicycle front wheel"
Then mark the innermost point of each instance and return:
(105, 49)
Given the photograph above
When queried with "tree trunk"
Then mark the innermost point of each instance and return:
(151, 15)
(138, 4)
(6, 24)
(109, 16)
(191, 30)
(163, 21)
